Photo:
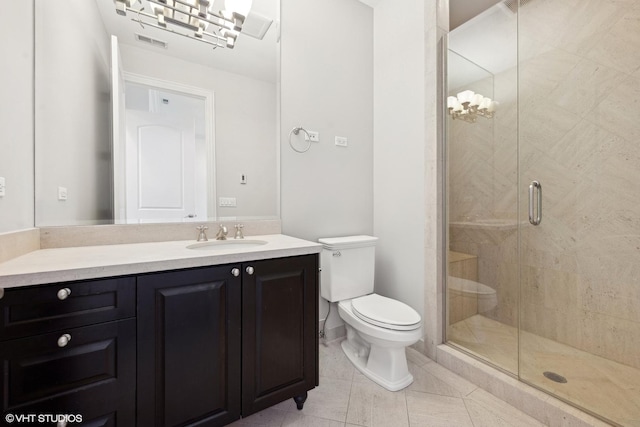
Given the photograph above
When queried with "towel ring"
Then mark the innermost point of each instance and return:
(296, 131)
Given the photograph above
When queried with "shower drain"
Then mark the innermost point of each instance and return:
(555, 377)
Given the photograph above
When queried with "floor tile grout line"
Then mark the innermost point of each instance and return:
(464, 402)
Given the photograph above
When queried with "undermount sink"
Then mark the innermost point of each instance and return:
(218, 245)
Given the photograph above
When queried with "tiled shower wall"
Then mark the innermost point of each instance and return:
(579, 100)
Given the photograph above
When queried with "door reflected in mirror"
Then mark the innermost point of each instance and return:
(167, 154)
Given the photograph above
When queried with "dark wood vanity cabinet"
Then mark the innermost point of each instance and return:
(218, 343)
(201, 346)
(69, 349)
(189, 348)
(279, 331)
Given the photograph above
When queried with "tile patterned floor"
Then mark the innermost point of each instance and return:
(608, 388)
(437, 398)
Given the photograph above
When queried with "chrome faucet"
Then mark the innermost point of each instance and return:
(222, 233)
(202, 235)
(239, 234)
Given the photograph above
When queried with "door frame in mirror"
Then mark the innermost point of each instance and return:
(208, 98)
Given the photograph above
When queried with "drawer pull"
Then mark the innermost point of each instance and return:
(249, 270)
(64, 293)
(64, 340)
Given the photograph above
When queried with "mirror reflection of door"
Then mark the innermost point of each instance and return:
(165, 156)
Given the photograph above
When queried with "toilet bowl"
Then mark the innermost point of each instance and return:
(378, 352)
(378, 328)
(487, 297)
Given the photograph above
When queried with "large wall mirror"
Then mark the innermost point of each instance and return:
(134, 124)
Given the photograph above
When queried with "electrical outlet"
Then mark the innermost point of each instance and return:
(243, 178)
(313, 136)
(3, 186)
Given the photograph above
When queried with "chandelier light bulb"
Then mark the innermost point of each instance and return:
(465, 96)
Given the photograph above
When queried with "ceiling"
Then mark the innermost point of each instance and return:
(460, 11)
(250, 57)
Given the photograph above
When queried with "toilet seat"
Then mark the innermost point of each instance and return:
(385, 312)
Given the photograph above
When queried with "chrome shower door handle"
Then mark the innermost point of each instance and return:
(535, 185)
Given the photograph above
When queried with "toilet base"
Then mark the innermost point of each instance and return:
(397, 378)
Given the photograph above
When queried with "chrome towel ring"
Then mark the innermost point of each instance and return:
(296, 131)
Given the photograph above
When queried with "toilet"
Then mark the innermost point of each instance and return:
(486, 297)
(378, 328)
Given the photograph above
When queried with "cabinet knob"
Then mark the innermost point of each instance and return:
(249, 270)
(235, 272)
(61, 424)
(64, 293)
(64, 340)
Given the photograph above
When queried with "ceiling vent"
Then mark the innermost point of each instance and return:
(256, 25)
(150, 40)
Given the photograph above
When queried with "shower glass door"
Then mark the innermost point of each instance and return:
(482, 282)
(579, 103)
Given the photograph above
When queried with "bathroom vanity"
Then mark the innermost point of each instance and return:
(143, 337)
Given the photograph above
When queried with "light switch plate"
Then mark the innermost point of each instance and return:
(341, 141)
(227, 202)
(62, 193)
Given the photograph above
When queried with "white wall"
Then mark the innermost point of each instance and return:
(327, 86)
(407, 191)
(399, 187)
(73, 138)
(16, 115)
(245, 127)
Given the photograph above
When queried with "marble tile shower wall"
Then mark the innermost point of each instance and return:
(579, 99)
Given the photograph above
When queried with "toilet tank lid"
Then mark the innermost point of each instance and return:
(348, 242)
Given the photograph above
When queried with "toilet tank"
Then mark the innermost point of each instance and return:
(348, 266)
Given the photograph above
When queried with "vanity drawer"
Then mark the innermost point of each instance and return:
(39, 309)
(88, 371)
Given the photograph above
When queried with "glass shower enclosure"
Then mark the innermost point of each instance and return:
(544, 201)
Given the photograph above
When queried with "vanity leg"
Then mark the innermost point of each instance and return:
(300, 400)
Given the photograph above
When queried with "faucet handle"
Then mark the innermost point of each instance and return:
(239, 234)
(222, 233)
(202, 235)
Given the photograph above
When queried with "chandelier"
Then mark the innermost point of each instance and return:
(202, 24)
(468, 105)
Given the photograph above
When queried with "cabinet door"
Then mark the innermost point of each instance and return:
(189, 347)
(279, 330)
(87, 372)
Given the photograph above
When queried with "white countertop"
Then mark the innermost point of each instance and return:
(90, 262)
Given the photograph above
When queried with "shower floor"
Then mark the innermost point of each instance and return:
(603, 387)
